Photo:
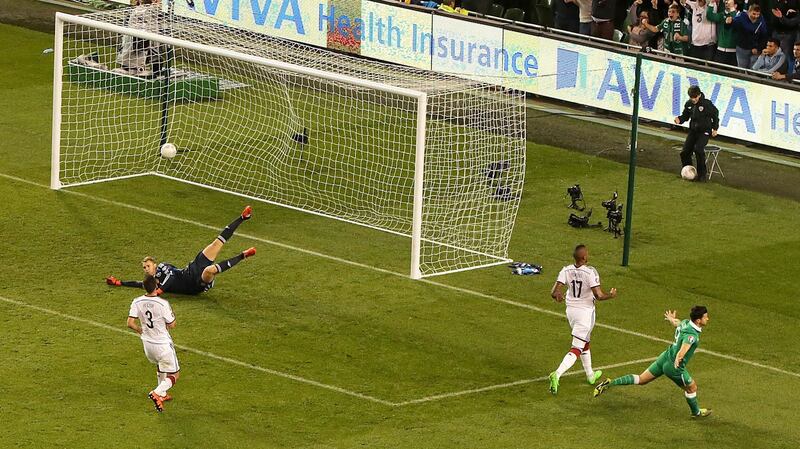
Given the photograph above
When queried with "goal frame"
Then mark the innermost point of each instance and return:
(420, 97)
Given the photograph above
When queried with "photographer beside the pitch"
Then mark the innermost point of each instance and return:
(703, 119)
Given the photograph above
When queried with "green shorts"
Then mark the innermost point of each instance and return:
(664, 365)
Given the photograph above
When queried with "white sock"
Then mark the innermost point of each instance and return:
(566, 364)
(636, 379)
(586, 360)
(162, 387)
(161, 376)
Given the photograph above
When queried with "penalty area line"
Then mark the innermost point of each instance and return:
(304, 380)
(438, 397)
(207, 354)
(402, 275)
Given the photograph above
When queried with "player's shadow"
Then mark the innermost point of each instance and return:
(209, 302)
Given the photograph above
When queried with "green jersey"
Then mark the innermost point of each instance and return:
(668, 28)
(686, 333)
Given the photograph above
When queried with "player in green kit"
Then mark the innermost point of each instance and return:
(672, 362)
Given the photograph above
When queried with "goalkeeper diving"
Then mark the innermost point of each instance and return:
(199, 275)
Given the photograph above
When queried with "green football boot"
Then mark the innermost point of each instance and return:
(596, 376)
(554, 383)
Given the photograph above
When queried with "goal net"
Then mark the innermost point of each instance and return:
(436, 158)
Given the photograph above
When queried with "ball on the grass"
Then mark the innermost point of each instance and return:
(688, 172)
(168, 150)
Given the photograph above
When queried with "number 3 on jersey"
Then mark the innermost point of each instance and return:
(149, 319)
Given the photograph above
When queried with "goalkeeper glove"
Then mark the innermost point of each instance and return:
(111, 280)
(525, 269)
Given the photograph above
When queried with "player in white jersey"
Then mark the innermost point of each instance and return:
(583, 288)
(156, 319)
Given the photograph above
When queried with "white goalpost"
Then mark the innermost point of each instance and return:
(436, 158)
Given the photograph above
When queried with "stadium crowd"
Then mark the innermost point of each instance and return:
(760, 35)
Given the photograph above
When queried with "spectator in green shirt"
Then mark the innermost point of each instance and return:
(674, 31)
(726, 33)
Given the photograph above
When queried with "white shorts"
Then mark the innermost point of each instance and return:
(162, 355)
(582, 322)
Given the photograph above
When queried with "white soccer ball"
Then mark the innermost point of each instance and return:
(688, 172)
(168, 150)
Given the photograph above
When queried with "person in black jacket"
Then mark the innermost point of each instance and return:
(703, 119)
(603, 18)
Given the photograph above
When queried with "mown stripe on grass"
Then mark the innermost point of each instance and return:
(403, 275)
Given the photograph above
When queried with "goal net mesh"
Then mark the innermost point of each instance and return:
(318, 144)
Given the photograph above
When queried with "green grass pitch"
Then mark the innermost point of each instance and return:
(321, 341)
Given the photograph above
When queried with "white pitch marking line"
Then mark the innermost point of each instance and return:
(610, 327)
(437, 397)
(205, 353)
(303, 379)
(403, 275)
(206, 226)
